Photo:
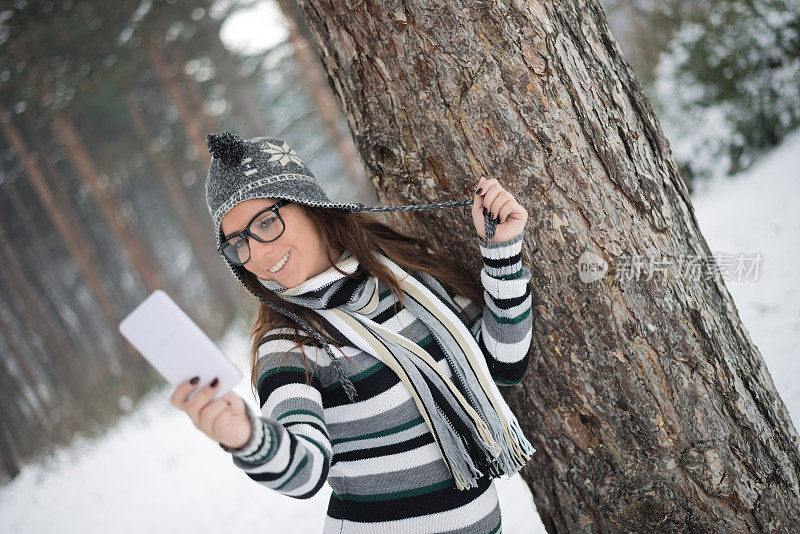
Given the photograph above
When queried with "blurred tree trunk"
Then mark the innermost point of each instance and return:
(307, 59)
(30, 412)
(62, 294)
(65, 221)
(35, 402)
(52, 418)
(191, 89)
(204, 251)
(650, 407)
(54, 292)
(11, 464)
(62, 373)
(192, 127)
(63, 217)
(62, 381)
(13, 353)
(237, 88)
(139, 255)
(137, 250)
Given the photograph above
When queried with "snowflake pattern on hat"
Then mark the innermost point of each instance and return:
(282, 154)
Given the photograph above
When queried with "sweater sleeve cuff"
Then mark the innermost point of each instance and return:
(502, 259)
(257, 437)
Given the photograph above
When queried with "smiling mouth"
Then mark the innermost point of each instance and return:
(278, 267)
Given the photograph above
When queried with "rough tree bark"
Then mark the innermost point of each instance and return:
(649, 405)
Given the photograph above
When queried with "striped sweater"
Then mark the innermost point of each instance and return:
(377, 453)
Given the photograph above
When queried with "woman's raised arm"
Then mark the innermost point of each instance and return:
(289, 450)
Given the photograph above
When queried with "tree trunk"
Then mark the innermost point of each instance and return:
(63, 372)
(61, 290)
(191, 88)
(192, 127)
(63, 218)
(10, 463)
(55, 290)
(206, 255)
(313, 75)
(37, 402)
(31, 410)
(648, 404)
(238, 90)
(139, 255)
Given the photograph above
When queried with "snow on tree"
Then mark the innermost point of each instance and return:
(729, 85)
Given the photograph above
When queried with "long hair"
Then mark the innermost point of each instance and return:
(361, 234)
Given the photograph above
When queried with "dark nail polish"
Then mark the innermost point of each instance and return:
(214, 382)
(478, 192)
(194, 380)
(484, 210)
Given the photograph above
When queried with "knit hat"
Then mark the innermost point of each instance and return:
(267, 167)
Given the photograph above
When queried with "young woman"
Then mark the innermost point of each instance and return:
(375, 361)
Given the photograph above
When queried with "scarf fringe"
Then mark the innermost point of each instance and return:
(485, 454)
(461, 463)
(501, 460)
(503, 456)
(516, 455)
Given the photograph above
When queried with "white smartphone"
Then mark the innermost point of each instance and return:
(176, 346)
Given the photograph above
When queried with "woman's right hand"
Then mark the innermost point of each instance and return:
(224, 420)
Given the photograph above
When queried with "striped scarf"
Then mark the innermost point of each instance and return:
(483, 434)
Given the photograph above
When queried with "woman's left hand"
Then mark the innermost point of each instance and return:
(501, 203)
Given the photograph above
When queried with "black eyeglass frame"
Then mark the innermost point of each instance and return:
(246, 232)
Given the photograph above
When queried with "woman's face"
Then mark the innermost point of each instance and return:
(300, 240)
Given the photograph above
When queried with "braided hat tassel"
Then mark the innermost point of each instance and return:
(489, 223)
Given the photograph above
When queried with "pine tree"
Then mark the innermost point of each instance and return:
(729, 85)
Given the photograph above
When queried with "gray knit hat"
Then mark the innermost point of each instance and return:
(267, 167)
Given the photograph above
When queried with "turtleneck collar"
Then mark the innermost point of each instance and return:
(330, 288)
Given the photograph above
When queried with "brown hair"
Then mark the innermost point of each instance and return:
(360, 233)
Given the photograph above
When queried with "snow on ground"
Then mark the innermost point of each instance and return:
(155, 472)
(757, 212)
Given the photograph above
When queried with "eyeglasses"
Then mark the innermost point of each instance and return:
(265, 226)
